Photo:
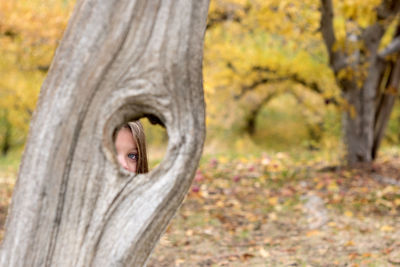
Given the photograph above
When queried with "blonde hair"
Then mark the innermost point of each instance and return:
(138, 135)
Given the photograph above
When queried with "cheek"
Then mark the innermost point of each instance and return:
(132, 167)
(120, 159)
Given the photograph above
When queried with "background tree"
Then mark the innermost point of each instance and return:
(29, 33)
(269, 48)
(366, 68)
(257, 51)
(73, 205)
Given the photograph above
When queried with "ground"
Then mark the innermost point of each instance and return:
(272, 211)
(278, 210)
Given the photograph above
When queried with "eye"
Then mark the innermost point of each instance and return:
(133, 156)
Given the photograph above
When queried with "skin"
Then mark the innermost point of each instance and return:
(127, 152)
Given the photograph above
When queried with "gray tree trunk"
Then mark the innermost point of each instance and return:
(363, 122)
(73, 205)
(6, 140)
(386, 100)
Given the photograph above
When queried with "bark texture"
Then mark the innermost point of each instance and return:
(73, 205)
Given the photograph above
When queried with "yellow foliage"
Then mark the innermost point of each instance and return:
(388, 37)
(29, 33)
(279, 36)
(363, 12)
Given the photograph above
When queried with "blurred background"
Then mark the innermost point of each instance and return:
(267, 80)
(276, 134)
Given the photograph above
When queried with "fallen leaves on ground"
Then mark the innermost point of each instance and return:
(275, 211)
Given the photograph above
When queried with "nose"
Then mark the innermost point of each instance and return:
(123, 162)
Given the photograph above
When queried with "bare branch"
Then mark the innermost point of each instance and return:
(294, 77)
(232, 14)
(336, 59)
(392, 48)
(222, 16)
(256, 83)
(327, 23)
(314, 87)
(388, 8)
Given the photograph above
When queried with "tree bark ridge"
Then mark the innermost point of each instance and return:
(73, 205)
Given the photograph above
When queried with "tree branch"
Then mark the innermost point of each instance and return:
(254, 84)
(391, 48)
(336, 59)
(388, 8)
(220, 16)
(327, 24)
(314, 87)
(294, 77)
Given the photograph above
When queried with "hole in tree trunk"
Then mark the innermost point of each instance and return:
(140, 145)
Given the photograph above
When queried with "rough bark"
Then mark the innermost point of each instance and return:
(73, 205)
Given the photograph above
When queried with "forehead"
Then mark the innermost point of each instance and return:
(125, 139)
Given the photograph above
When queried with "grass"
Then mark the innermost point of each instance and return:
(8, 173)
(9, 164)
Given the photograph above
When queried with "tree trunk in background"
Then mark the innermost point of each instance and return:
(386, 101)
(359, 117)
(364, 121)
(255, 109)
(5, 146)
(73, 205)
(6, 142)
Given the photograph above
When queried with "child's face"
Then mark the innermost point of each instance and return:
(127, 152)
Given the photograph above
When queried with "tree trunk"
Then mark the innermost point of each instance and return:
(73, 205)
(255, 108)
(359, 117)
(385, 107)
(386, 101)
(6, 142)
(363, 122)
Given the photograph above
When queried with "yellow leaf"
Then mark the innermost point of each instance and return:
(389, 189)
(220, 204)
(348, 213)
(387, 228)
(320, 185)
(223, 160)
(333, 186)
(273, 200)
(313, 233)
